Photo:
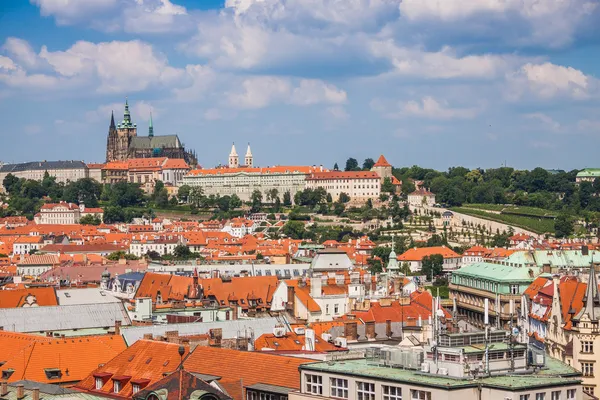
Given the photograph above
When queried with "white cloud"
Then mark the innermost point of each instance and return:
(547, 121)
(546, 81)
(427, 107)
(155, 16)
(337, 112)
(312, 91)
(443, 64)
(199, 78)
(70, 11)
(261, 91)
(7, 64)
(21, 52)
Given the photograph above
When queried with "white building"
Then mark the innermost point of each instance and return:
(359, 185)
(27, 243)
(64, 213)
(141, 245)
(240, 227)
(36, 264)
(421, 197)
(414, 257)
(63, 171)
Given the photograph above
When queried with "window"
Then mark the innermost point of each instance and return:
(587, 347)
(135, 388)
(336, 309)
(339, 388)
(365, 391)
(571, 394)
(587, 368)
(540, 396)
(514, 289)
(589, 390)
(327, 309)
(116, 386)
(392, 393)
(266, 396)
(99, 383)
(314, 384)
(555, 395)
(420, 395)
(524, 397)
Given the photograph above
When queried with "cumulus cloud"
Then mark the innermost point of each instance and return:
(261, 91)
(547, 80)
(71, 11)
(429, 107)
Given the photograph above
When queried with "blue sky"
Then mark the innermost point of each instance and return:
(437, 83)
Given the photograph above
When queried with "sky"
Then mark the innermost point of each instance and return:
(435, 83)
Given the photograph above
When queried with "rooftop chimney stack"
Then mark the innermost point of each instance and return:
(20, 391)
(3, 388)
(36, 394)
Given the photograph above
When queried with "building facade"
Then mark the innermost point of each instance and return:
(64, 213)
(360, 186)
(420, 198)
(63, 171)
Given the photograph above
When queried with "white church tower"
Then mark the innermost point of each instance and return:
(249, 161)
(234, 160)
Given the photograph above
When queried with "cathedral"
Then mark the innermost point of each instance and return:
(123, 142)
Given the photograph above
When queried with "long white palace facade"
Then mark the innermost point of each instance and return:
(242, 180)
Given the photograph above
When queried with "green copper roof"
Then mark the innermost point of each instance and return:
(589, 173)
(555, 374)
(563, 258)
(126, 123)
(150, 127)
(155, 142)
(498, 272)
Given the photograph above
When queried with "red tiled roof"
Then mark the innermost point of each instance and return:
(250, 367)
(145, 359)
(44, 296)
(417, 253)
(264, 170)
(292, 341)
(382, 162)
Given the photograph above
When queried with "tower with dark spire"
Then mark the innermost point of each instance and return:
(150, 127)
(119, 136)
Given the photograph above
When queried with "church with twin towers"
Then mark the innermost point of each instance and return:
(234, 159)
(123, 142)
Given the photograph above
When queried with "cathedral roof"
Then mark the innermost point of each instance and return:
(155, 142)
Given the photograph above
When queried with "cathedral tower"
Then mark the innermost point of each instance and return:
(234, 159)
(249, 160)
(119, 137)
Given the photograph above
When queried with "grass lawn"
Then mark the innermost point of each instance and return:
(534, 224)
(517, 210)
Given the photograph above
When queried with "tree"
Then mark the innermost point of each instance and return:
(272, 194)
(11, 183)
(117, 255)
(256, 201)
(329, 198)
(294, 229)
(125, 194)
(184, 192)
(89, 220)
(375, 265)
(338, 208)
(224, 203)
(387, 186)
(368, 164)
(113, 214)
(182, 252)
(234, 202)
(432, 265)
(382, 252)
(352, 165)
(153, 255)
(196, 196)
(563, 225)
(287, 199)
(344, 198)
(161, 199)
(335, 167)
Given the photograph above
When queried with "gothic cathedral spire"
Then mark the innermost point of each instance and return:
(112, 121)
(150, 127)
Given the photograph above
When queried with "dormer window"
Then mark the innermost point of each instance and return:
(53, 373)
(7, 373)
(99, 383)
(135, 388)
(116, 386)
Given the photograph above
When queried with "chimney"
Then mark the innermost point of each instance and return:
(234, 312)
(351, 330)
(20, 391)
(35, 394)
(388, 328)
(3, 388)
(172, 336)
(147, 336)
(370, 329)
(291, 298)
(117, 327)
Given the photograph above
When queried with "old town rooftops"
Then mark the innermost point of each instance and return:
(417, 253)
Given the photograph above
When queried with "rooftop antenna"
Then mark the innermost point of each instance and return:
(486, 321)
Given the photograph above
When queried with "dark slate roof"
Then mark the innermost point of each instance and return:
(44, 387)
(43, 165)
(155, 142)
(263, 387)
(181, 385)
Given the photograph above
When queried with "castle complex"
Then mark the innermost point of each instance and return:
(123, 142)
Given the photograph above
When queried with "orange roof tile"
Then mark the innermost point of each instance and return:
(145, 359)
(32, 361)
(263, 170)
(318, 176)
(417, 253)
(44, 296)
(382, 162)
(292, 341)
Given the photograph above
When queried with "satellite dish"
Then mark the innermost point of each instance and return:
(515, 331)
(439, 313)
